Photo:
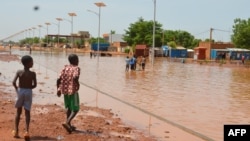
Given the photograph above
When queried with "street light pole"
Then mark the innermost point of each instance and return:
(47, 33)
(99, 4)
(72, 15)
(33, 36)
(29, 36)
(59, 19)
(40, 34)
(153, 51)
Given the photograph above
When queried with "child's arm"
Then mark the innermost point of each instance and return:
(14, 80)
(34, 81)
(58, 82)
(76, 79)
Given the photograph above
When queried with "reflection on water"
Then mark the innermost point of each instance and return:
(195, 96)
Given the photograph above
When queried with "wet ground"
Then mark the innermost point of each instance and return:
(92, 123)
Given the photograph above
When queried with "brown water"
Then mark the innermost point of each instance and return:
(201, 98)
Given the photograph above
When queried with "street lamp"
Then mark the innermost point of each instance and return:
(33, 35)
(72, 15)
(40, 34)
(59, 19)
(153, 51)
(47, 23)
(57, 29)
(29, 36)
(98, 4)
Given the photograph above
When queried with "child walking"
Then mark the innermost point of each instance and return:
(27, 82)
(127, 63)
(68, 85)
(143, 62)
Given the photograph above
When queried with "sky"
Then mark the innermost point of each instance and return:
(193, 16)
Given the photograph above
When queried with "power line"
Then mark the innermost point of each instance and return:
(221, 30)
(201, 33)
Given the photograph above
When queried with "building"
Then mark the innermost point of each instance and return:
(141, 50)
(217, 45)
(117, 44)
(79, 40)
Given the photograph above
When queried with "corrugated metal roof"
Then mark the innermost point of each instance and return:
(190, 50)
(180, 47)
(237, 49)
(221, 49)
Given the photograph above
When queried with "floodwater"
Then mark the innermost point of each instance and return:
(200, 97)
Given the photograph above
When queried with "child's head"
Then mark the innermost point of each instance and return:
(73, 59)
(27, 61)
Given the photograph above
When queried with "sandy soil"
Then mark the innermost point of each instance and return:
(93, 124)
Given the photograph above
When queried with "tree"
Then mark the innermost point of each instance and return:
(195, 43)
(241, 33)
(141, 32)
(172, 44)
(180, 37)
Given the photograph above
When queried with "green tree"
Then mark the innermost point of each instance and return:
(241, 33)
(141, 32)
(180, 37)
(195, 43)
(208, 40)
(172, 44)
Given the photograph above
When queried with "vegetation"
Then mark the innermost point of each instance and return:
(181, 38)
(95, 40)
(241, 33)
(141, 32)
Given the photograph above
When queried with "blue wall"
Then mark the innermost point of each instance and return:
(102, 47)
(215, 53)
(178, 53)
(236, 55)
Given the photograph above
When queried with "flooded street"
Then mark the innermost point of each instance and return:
(200, 97)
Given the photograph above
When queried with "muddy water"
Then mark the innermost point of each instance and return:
(201, 98)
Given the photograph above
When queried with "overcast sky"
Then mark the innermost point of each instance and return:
(194, 16)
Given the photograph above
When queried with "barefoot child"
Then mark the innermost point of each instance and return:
(68, 85)
(27, 82)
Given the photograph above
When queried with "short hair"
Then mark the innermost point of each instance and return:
(26, 60)
(72, 58)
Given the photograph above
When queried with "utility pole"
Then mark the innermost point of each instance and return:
(210, 42)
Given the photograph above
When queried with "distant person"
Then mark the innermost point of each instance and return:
(10, 47)
(91, 54)
(132, 63)
(135, 62)
(127, 63)
(243, 59)
(68, 85)
(26, 82)
(143, 62)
